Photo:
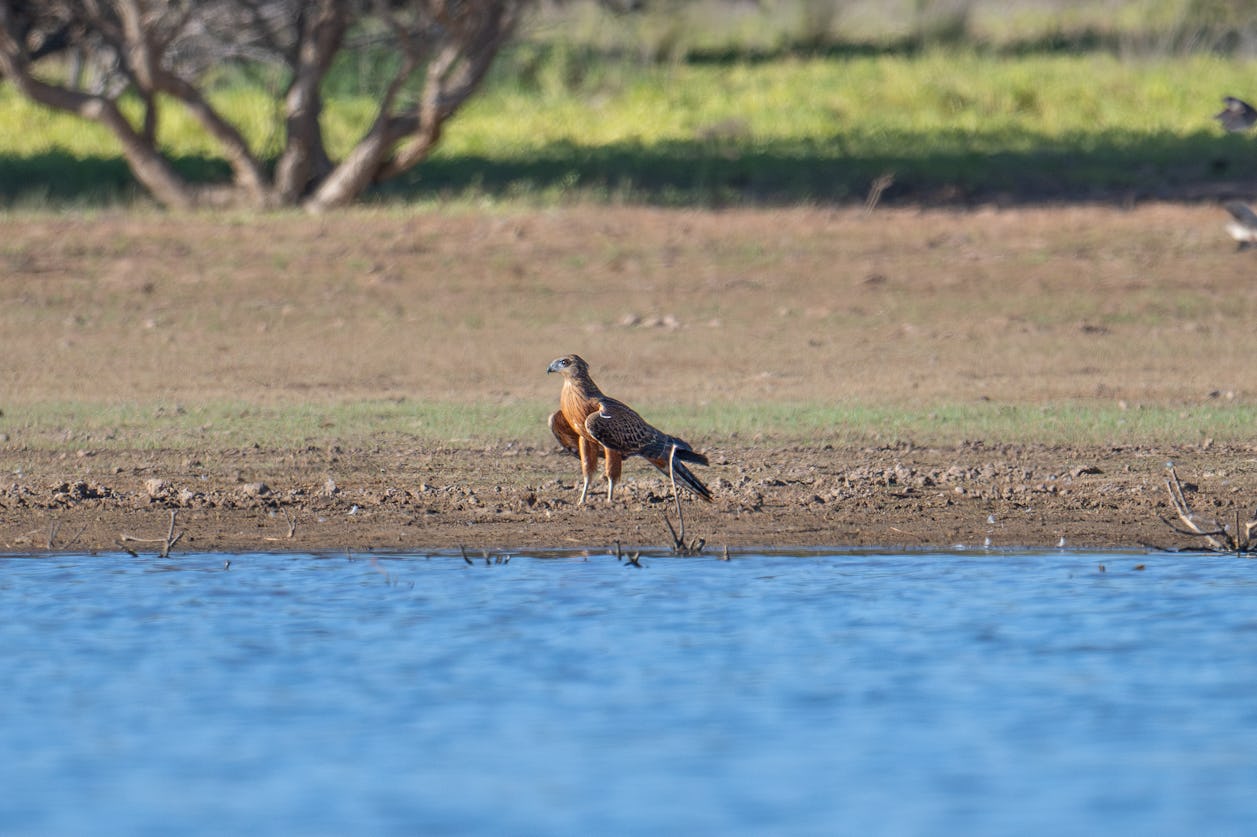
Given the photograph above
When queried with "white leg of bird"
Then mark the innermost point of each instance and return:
(584, 489)
(610, 489)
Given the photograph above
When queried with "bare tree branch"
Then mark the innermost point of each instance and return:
(148, 165)
(162, 50)
(452, 77)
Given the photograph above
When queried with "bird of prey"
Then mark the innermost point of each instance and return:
(1237, 115)
(1243, 226)
(591, 424)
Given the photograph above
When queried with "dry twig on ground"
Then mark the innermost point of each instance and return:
(878, 186)
(168, 542)
(1218, 536)
(292, 527)
(679, 544)
(55, 529)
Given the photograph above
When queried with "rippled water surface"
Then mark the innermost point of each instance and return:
(845, 693)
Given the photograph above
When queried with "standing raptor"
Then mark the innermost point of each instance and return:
(590, 424)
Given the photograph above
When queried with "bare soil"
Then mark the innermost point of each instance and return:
(1143, 306)
(765, 497)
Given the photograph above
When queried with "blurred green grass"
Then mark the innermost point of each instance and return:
(558, 124)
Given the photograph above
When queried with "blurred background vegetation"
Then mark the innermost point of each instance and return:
(726, 102)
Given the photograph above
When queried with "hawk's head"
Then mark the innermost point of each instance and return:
(568, 364)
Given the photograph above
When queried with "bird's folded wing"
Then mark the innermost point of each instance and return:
(617, 427)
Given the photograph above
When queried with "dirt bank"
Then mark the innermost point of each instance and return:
(1141, 307)
(525, 498)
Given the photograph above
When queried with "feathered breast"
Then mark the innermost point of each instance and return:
(576, 407)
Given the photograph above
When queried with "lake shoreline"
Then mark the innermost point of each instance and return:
(496, 498)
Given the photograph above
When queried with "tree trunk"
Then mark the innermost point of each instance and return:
(355, 173)
(147, 164)
(305, 159)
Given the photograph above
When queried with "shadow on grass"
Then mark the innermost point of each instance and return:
(716, 173)
(58, 179)
(743, 172)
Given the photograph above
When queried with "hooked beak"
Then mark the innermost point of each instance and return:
(552, 367)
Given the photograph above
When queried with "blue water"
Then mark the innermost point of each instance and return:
(846, 693)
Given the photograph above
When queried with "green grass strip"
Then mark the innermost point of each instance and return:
(82, 426)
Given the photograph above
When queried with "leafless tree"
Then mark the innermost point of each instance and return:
(159, 51)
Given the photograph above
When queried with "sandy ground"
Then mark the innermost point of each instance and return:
(1085, 305)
